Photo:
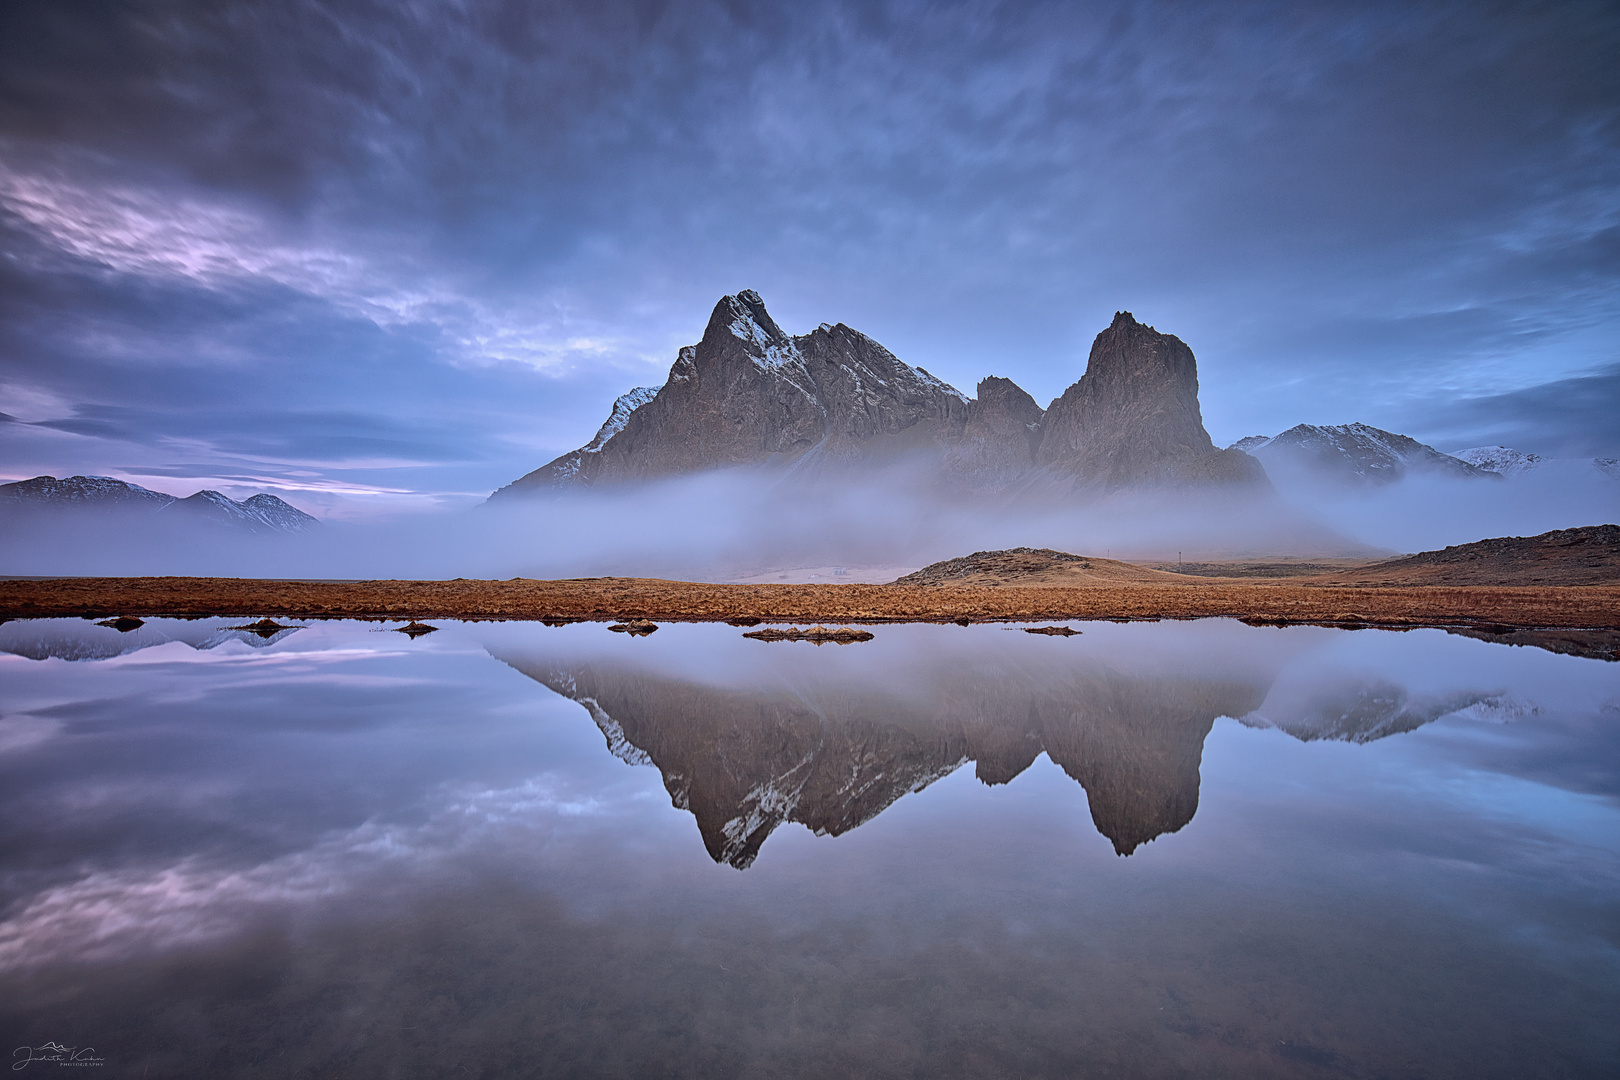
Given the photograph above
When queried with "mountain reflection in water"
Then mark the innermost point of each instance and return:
(831, 745)
(345, 852)
(77, 639)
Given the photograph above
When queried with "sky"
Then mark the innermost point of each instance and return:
(384, 257)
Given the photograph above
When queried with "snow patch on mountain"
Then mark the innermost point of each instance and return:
(1499, 459)
(1506, 461)
(82, 491)
(622, 408)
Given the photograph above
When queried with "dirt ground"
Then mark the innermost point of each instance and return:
(1493, 609)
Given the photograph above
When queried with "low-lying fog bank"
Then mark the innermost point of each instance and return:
(723, 526)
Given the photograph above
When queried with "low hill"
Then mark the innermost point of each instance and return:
(1589, 555)
(1039, 567)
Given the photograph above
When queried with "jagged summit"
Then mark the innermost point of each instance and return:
(750, 394)
(1133, 418)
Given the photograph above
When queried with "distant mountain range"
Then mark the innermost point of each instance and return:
(76, 639)
(749, 394)
(1356, 454)
(1509, 462)
(101, 495)
(1361, 454)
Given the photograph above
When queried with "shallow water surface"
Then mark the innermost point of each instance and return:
(1170, 849)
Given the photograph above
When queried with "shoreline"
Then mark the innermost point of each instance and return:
(1267, 602)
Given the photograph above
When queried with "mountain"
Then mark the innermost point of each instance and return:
(1499, 459)
(105, 497)
(1510, 462)
(1366, 711)
(1133, 417)
(743, 760)
(257, 514)
(97, 492)
(831, 741)
(1354, 454)
(749, 394)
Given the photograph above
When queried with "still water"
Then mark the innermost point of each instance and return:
(504, 850)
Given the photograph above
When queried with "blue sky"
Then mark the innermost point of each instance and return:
(378, 257)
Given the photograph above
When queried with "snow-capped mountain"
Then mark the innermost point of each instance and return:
(257, 514)
(1499, 459)
(750, 394)
(81, 491)
(1510, 462)
(568, 466)
(78, 494)
(1354, 454)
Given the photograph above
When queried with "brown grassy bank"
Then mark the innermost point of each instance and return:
(676, 601)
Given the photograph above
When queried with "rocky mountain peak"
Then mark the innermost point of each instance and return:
(749, 394)
(1133, 418)
(1005, 396)
(743, 318)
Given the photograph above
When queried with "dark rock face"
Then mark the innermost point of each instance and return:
(1000, 437)
(749, 394)
(832, 757)
(1133, 417)
(1355, 454)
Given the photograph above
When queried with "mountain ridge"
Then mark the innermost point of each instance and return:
(261, 513)
(749, 394)
(1355, 454)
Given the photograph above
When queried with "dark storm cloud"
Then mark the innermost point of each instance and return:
(475, 223)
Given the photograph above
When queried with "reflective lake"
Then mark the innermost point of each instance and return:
(504, 849)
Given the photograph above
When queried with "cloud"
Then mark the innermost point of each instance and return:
(1567, 418)
(512, 212)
